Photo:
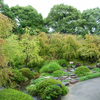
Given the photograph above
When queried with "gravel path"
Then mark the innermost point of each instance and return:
(86, 90)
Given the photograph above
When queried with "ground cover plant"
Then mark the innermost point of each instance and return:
(11, 94)
(92, 75)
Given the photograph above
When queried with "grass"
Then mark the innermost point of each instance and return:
(89, 76)
(96, 69)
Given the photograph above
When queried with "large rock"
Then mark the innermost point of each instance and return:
(55, 78)
(77, 65)
(98, 65)
(63, 77)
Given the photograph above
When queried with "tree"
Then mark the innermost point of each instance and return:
(92, 18)
(28, 16)
(4, 9)
(6, 25)
(4, 69)
(63, 18)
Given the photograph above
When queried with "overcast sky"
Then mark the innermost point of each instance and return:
(44, 6)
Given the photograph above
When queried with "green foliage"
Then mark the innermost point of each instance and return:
(32, 90)
(27, 73)
(43, 84)
(11, 94)
(82, 71)
(38, 80)
(96, 69)
(58, 73)
(62, 61)
(51, 92)
(89, 76)
(19, 77)
(63, 18)
(28, 17)
(51, 67)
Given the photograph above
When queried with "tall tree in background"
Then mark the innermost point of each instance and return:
(92, 17)
(4, 9)
(28, 16)
(63, 18)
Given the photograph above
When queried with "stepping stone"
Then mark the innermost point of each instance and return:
(71, 70)
(47, 77)
(69, 78)
(63, 77)
(73, 76)
(55, 78)
(77, 78)
(73, 81)
(65, 83)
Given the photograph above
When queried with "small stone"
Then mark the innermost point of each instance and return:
(47, 77)
(65, 83)
(73, 81)
(90, 68)
(55, 78)
(73, 66)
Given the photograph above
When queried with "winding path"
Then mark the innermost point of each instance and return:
(86, 90)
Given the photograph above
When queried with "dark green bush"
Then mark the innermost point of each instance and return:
(51, 67)
(43, 84)
(51, 92)
(11, 94)
(62, 62)
(18, 77)
(58, 73)
(27, 73)
(82, 71)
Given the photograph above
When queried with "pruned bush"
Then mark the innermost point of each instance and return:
(27, 73)
(11, 94)
(51, 67)
(18, 77)
(43, 85)
(82, 71)
(62, 62)
(51, 92)
(58, 73)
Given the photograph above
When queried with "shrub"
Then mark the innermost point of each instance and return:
(62, 62)
(51, 92)
(11, 94)
(43, 84)
(82, 71)
(18, 76)
(58, 73)
(51, 67)
(27, 73)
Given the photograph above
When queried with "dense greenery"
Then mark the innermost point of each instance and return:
(27, 73)
(51, 67)
(11, 94)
